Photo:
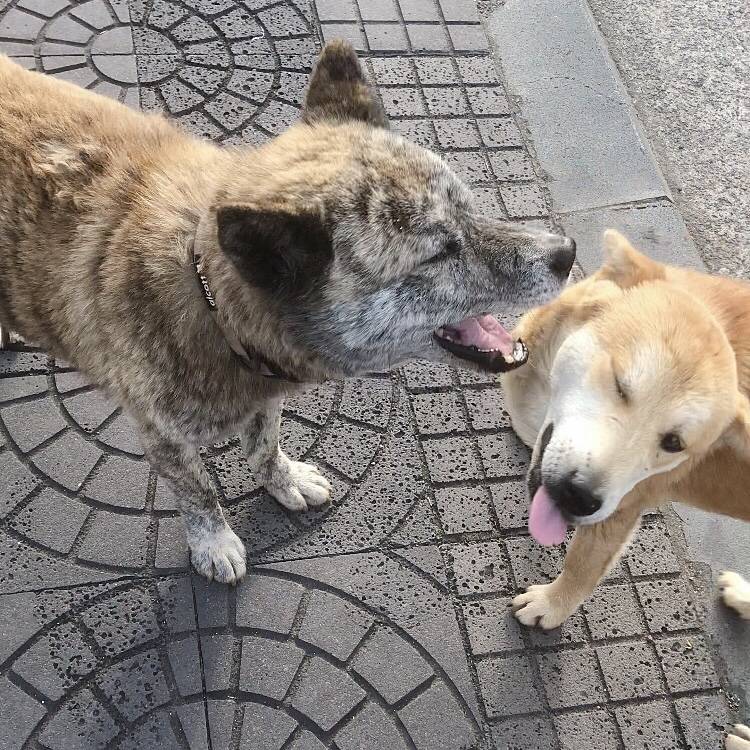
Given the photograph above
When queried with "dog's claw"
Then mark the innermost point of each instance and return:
(219, 556)
(536, 608)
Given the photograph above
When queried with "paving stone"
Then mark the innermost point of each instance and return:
(594, 728)
(367, 400)
(378, 10)
(68, 459)
(386, 37)
(397, 71)
(336, 10)
(371, 727)
(264, 728)
(16, 388)
(503, 455)
(612, 612)
(351, 32)
(268, 667)
(183, 656)
(114, 539)
(171, 545)
(420, 132)
(419, 10)
(487, 409)
(426, 375)
(19, 482)
(438, 413)
(667, 605)
(631, 670)
(651, 552)
(511, 504)
(19, 714)
(507, 686)
(120, 482)
(687, 663)
(427, 38)
(325, 693)
(463, 509)
(30, 424)
(419, 718)
(511, 165)
(531, 562)
(435, 70)
(447, 100)
(648, 726)
(403, 102)
(465, 38)
(349, 448)
(81, 723)
(527, 733)
(470, 165)
(704, 719)
(524, 200)
(572, 631)
(268, 603)
(487, 202)
(491, 626)
(571, 678)
(451, 459)
(457, 133)
(500, 132)
(479, 568)
(374, 661)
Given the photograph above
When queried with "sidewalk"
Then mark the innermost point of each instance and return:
(383, 621)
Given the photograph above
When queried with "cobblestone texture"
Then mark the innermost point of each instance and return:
(384, 620)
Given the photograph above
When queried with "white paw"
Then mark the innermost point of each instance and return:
(539, 607)
(735, 591)
(739, 739)
(297, 485)
(218, 555)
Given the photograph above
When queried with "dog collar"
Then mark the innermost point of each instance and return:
(254, 362)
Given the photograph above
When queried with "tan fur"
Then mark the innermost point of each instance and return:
(707, 329)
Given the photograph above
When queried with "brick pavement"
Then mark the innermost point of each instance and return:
(382, 621)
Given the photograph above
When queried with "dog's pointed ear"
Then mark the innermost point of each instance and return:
(624, 265)
(339, 91)
(737, 434)
(281, 252)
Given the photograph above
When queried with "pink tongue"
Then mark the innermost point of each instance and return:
(485, 332)
(546, 523)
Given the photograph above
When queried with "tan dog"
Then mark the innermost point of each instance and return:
(635, 393)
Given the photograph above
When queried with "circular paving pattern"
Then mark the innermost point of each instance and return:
(315, 665)
(81, 489)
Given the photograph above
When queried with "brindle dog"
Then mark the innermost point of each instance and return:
(199, 285)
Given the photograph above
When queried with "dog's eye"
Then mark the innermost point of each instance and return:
(621, 392)
(451, 249)
(672, 443)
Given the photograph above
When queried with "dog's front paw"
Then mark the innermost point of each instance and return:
(218, 555)
(739, 738)
(540, 607)
(735, 591)
(297, 485)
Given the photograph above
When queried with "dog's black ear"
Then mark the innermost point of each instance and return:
(338, 90)
(281, 252)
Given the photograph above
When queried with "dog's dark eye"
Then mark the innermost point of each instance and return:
(621, 392)
(672, 443)
(451, 248)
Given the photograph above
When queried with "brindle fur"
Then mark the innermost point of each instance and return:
(315, 246)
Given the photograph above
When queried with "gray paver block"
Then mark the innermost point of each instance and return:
(264, 728)
(526, 733)
(427, 38)
(511, 504)
(436, 70)
(463, 509)
(507, 686)
(393, 71)
(487, 409)
(438, 413)
(269, 667)
(651, 552)
(687, 663)
(386, 37)
(667, 605)
(648, 727)
(500, 132)
(503, 455)
(419, 10)
(479, 568)
(465, 38)
(593, 728)
(571, 678)
(378, 10)
(524, 200)
(371, 727)
(456, 133)
(704, 720)
(612, 611)
(532, 563)
(631, 670)
(445, 101)
(491, 626)
(451, 459)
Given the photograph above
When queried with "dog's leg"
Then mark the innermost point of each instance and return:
(739, 739)
(593, 551)
(735, 591)
(4, 337)
(293, 483)
(215, 550)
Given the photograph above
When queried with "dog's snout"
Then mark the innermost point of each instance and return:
(562, 257)
(573, 497)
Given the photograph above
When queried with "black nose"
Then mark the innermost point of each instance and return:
(573, 497)
(561, 258)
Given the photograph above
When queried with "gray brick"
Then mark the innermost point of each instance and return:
(378, 10)
(121, 482)
(146, 686)
(349, 448)
(667, 605)
(81, 717)
(470, 165)
(264, 728)
(571, 678)
(526, 733)
(477, 70)
(630, 670)
(405, 102)
(268, 603)
(573, 630)
(367, 400)
(18, 482)
(435, 715)
(122, 434)
(687, 663)
(427, 38)
(51, 519)
(114, 539)
(500, 132)
(332, 624)
(488, 100)
(351, 32)
(487, 409)
(443, 101)
(594, 728)
(426, 375)
(612, 611)
(419, 10)
(479, 568)
(12, 388)
(68, 459)
(218, 653)
(325, 693)
(421, 133)
(463, 509)
(460, 10)
(372, 727)
(704, 720)
(511, 165)
(531, 562)
(511, 504)
(30, 424)
(376, 659)
(306, 741)
(507, 686)
(648, 726)
(177, 604)
(212, 604)
(524, 200)
(438, 413)
(268, 667)
(503, 455)
(171, 545)
(393, 71)
(386, 37)
(183, 658)
(651, 552)
(451, 459)
(21, 362)
(468, 38)
(436, 70)
(488, 204)
(491, 626)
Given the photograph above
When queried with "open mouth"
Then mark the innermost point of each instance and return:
(485, 342)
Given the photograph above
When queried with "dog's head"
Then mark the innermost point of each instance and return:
(371, 246)
(646, 384)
